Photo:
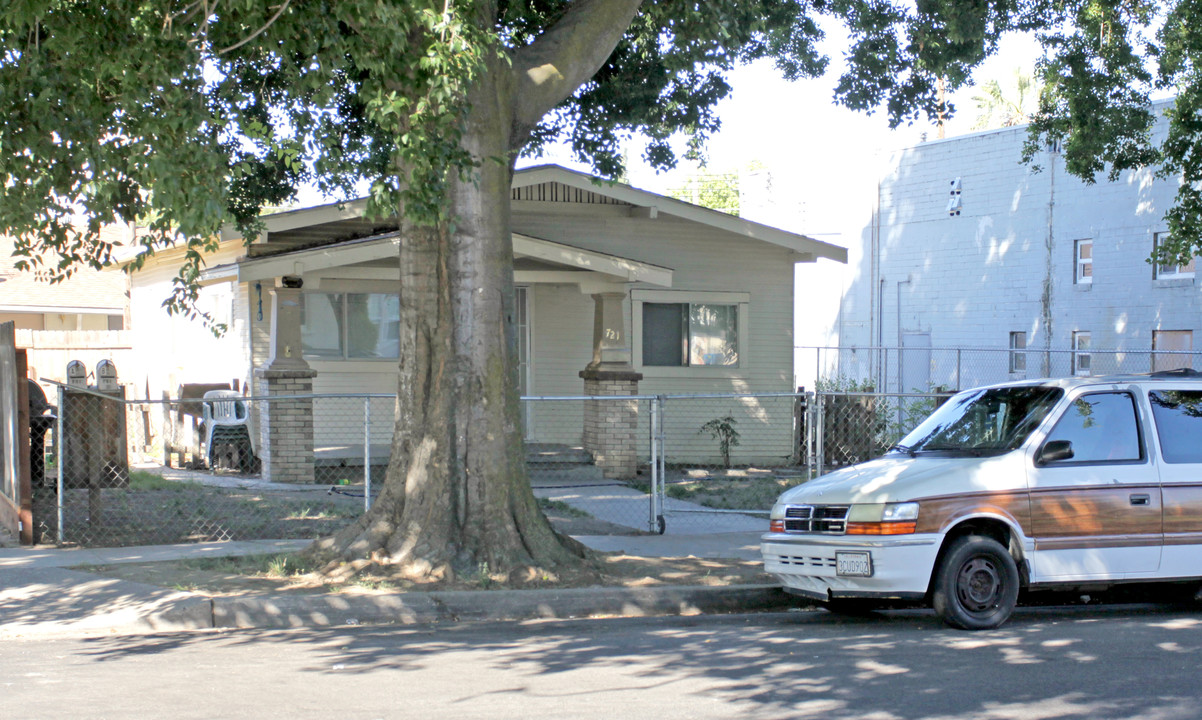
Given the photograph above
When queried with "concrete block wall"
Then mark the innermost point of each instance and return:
(1006, 262)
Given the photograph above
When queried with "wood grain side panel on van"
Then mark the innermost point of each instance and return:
(937, 513)
(1182, 514)
(1096, 516)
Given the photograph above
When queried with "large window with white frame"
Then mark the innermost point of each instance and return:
(1018, 355)
(1083, 257)
(1082, 360)
(1170, 272)
(350, 326)
(685, 330)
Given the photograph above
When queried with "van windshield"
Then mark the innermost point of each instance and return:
(982, 422)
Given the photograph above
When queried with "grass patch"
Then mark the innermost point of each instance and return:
(140, 480)
(561, 508)
(727, 491)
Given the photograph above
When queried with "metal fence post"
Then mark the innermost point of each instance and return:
(654, 465)
(366, 454)
(819, 434)
(58, 448)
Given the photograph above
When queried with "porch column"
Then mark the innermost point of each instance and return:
(610, 426)
(286, 426)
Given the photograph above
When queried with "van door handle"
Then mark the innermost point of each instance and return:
(1141, 499)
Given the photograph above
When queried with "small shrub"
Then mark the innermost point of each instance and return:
(723, 430)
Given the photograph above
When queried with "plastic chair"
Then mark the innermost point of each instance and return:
(225, 427)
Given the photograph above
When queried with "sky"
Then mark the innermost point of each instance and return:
(797, 131)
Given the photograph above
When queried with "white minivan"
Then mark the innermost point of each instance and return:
(1045, 484)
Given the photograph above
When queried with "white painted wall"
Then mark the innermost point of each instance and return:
(970, 280)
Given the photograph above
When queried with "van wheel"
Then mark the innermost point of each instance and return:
(976, 586)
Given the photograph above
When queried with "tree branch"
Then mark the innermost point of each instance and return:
(258, 32)
(564, 57)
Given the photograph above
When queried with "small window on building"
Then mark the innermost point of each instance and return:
(1171, 349)
(690, 334)
(1170, 272)
(1081, 356)
(1018, 358)
(116, 322)
(1084, 262)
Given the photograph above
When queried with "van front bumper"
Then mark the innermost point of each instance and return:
(808, 565)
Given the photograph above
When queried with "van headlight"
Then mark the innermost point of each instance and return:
(882, 519)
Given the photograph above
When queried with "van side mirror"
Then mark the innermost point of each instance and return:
(1055, 451)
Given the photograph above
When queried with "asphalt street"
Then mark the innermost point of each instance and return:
(1062, 663)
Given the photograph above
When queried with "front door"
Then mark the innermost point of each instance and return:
(1097, 514)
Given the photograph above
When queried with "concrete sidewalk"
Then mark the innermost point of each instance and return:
(41, 595)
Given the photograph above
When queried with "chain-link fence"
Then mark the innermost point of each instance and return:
(133, 472)
(927, 369)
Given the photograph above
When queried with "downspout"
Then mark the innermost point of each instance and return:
(874, 299)
(1045, 299)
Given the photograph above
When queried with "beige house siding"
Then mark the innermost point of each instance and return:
(702, 262)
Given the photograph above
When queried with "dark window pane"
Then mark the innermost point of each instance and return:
(1178, 415)
(664, 333)
(1101, 427)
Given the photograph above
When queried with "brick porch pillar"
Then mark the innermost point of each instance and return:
(286, 426)
(611, 426)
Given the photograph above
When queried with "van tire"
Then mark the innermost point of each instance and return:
(976, 586)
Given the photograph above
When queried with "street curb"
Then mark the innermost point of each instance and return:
(282, 611)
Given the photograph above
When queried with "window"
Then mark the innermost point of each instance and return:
(1018, 359)
(354, 326)
(1081, 356)
(690, 334)
(1178, 415)
(1169, 272)
(1102, 427)
(1165, 346)
(1084, 262)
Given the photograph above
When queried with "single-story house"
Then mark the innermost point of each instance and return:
(680, 298)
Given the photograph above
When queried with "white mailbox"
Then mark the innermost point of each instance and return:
(106, 376)
(77, 374)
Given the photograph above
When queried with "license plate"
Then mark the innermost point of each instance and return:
(853, 564)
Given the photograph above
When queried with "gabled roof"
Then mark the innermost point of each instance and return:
(337, 222)
(656, 203)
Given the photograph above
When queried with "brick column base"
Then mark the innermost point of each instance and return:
(610, 426)
(286, 426)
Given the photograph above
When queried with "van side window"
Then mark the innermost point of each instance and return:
(1102, 428)
(1178, 415)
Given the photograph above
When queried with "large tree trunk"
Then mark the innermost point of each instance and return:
(456, 497)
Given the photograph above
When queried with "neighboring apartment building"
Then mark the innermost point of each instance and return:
(971, 250)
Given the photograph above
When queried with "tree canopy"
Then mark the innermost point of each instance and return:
(186, 115)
